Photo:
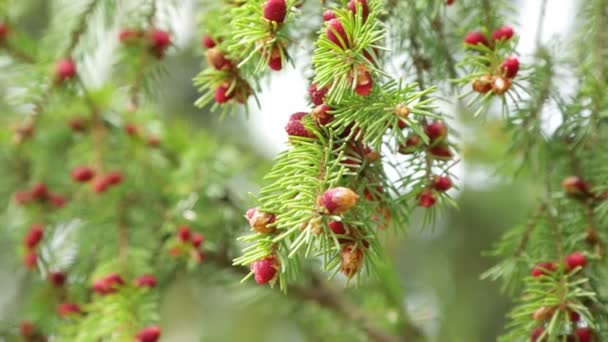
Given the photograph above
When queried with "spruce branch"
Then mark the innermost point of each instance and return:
(321, 293)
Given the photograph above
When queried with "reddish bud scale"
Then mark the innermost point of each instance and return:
(153, 141)
(353, 4)
(129, 36)
(329, 15)
(57, 278)
(436, 131)
(510, 67)
(4, 31)
(77, 124)
(321, 115)
(574, 316)
(427, 199)
(159, 41)
(26, 329)
(336, 201)
(65, 69)
(275, 62)
(58, 201)
(33, 236)
(504, 32)
(197, 239)
(442, 183)
(275, 10)
(475, 38)
(148, 334)
(373, 195)
(449, 2)
(23, 197)
(30, 259)
(536, 334)
(217, 59)
(208, 42)
(108, 284)
(412, 144)
(265, 270)
(336, 34)
(131, 129)
(100, 185)
(543, 268)
(40, 192)
(575, 186)
(317, 95)
(295, 127)
(145, 281)
(402, 124)
(574, 260)
(222, 94)
(183, 233)
(441, 152)
(82, 174)
(583, 335)
(198, 256)
(337, 227)
(68, 309)
(114, 178)
(365, 89)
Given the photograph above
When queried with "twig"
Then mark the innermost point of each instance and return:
(523, 243)
(541, 22)
(80, 28)
(19, 55)
(437, 25)
(98, 129)
(327, 298)
(324, 296)
(152, 13)
(487, 13)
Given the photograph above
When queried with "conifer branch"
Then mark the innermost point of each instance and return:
(18, 54)
(540, 23)
(319, 292)
(80, 28)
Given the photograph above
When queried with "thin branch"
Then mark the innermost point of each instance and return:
(19, 55)
(325, 297)
(438, 27)
(98, 129)
(487, 13)
(541, 22)
(523, 243)
(80, 28)
(152, 13)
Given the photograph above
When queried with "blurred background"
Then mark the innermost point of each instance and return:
(439, 268)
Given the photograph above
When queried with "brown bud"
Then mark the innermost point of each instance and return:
(575, 186)
(351, 260)
(543, 313)
(338, 200)
(501, 85)
(483, 84)
(260, 221)
(591, 236)
(402, 111)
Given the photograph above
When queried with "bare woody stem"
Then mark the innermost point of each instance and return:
(320, 293)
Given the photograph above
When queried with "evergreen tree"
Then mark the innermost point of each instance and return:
(106, 202)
